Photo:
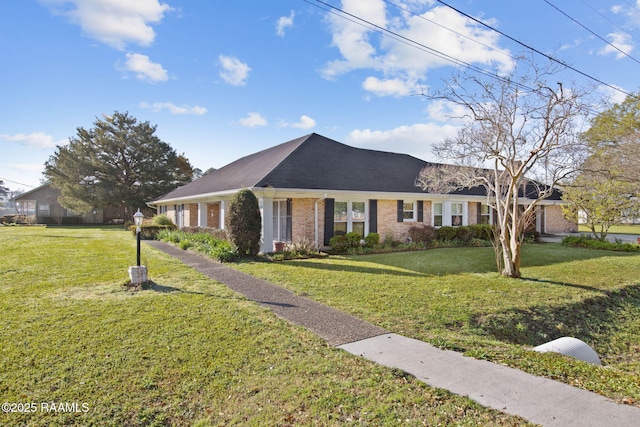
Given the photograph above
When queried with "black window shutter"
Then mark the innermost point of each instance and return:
(373, 216)
(289, 220)
(400, 211)
(420, 211)
(479, 214)
(328, 220)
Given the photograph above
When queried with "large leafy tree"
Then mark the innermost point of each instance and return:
(614, 142)
(599, 201)
(518, 127)
(118, 162)
(606, 189)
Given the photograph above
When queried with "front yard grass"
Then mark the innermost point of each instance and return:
(187, 351)
(454, 299)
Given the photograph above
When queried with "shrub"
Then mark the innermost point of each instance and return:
(342, 243)
(590, 242)
(464, 234)
(161, 219)
(372, 239)
(150, 231)
(219, 249)
(447, 233)
(185, 244)
(245, 223)
(482, 231)
(422, 233)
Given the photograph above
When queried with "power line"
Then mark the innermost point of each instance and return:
(406, 40)
(601, 14)
(450, 29)
(15, 182)
(403, 39)
(592, 32)
(551, 58)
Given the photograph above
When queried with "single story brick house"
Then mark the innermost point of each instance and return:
(314, 188)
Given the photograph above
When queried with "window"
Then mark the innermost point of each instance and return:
(456, 214)
(484, 216)
(452, 214)
(409, 211)
(282, 220)
(43, 209)
(358, 217)
(437, 214)
(348, 217)
(340, 218)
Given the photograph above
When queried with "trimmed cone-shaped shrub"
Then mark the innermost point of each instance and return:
(245, 223)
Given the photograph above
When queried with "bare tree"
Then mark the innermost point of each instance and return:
(519, 143)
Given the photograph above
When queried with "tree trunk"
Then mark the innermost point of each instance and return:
(511, 258)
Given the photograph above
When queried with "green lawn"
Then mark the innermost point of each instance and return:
(454, 299)
(188, 351)
(617, 229)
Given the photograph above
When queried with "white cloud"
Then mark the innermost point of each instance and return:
(304, 123)
(416, 140)
(388, 87)
(38, 140)
(253, 120)
(284, 22)
(144, 69)
(114, 22)
(174, 109)
(439, 28)
(352, 39)
(622, 41)
(234, 71)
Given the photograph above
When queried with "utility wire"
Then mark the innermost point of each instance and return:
(450, 29)
(15, 182)
(398, 37)
(603, 15)
(592, 32)
(551, 58)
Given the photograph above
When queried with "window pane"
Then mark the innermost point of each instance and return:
(437, 208)
(437, 221)
(339, 228)
(484, 209)
(407, 206)
(357, 211)
(456, 220)
(340, 211)
(358, 227)
(456, 208)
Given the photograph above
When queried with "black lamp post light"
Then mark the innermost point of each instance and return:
(138, 274)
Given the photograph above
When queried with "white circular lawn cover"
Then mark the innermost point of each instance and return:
(571, 347)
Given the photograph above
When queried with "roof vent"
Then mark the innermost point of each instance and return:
(571, 347)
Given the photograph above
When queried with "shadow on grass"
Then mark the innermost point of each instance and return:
(587, 320)
(444, 261)
(570, 285)
(354, 268)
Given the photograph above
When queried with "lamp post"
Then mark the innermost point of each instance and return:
(137, 219)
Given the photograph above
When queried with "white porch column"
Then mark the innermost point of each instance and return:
(223, 206)
(202, 214)
(266, 209)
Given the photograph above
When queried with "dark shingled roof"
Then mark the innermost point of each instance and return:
(314, 162)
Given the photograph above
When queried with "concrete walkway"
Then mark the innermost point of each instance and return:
(538, 400)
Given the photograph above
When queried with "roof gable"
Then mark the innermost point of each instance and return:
(322, 163)
(246, 172)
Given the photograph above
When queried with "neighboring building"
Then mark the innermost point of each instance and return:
(314, 188)
(42, 206)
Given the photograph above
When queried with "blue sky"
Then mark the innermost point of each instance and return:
(225, 79)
